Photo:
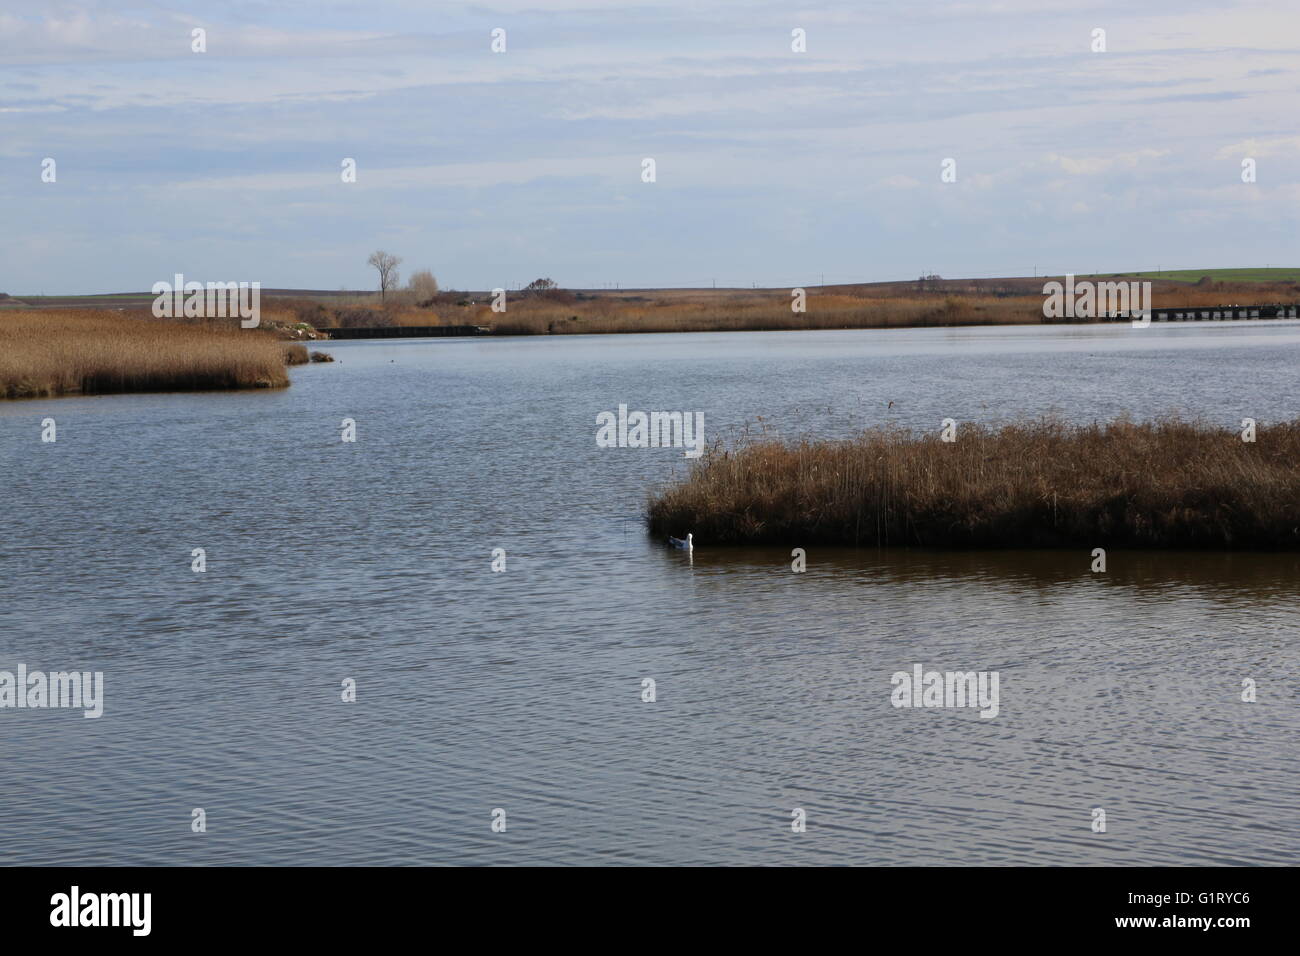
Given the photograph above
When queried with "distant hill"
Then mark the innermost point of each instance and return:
(1164, 281)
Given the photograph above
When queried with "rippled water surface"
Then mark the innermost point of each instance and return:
(522, 690)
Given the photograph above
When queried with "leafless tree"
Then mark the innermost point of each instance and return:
(387, 266)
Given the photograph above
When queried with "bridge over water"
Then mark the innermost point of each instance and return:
(1215, 313)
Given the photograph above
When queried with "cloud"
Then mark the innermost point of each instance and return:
(770, 161)
(1256, 148)
(1096, 165)
(900, 182)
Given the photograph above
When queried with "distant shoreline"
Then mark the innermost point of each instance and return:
(926, 302)
(51, 352)
(1174, 278)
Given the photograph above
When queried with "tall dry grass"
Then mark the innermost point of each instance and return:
(885, 305)
(1168, 484)
(739, 311)
(295, 354)
(88, 351)
(347, 312)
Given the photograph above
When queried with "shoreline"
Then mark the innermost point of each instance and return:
(47, 353)
(403, 332)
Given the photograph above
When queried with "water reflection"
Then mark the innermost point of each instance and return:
(1257, 577)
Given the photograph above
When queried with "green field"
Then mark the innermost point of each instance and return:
(119, 300)
(143, 300)
(1223, 275)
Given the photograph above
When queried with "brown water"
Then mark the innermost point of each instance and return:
(522, 689)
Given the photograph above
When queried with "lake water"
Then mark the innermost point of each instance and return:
(522, 690)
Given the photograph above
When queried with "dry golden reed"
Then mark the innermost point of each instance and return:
(88, 351)
(888, 305)
(738, 311)
(1166, 484)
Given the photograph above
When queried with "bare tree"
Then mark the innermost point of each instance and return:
(424, 285)
(541, 285)
(547, 289)
(387, 266)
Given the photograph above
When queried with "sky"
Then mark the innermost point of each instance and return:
(771, 166)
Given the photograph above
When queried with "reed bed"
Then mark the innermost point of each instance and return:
(760, 311)
(88, 351)
(1165, 484)
(893, 305)
(295, 355)
(875, 306)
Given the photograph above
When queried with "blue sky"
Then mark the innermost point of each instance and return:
(773, 167)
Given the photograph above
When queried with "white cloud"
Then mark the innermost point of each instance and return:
(1095, 165)
(1256, 148)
